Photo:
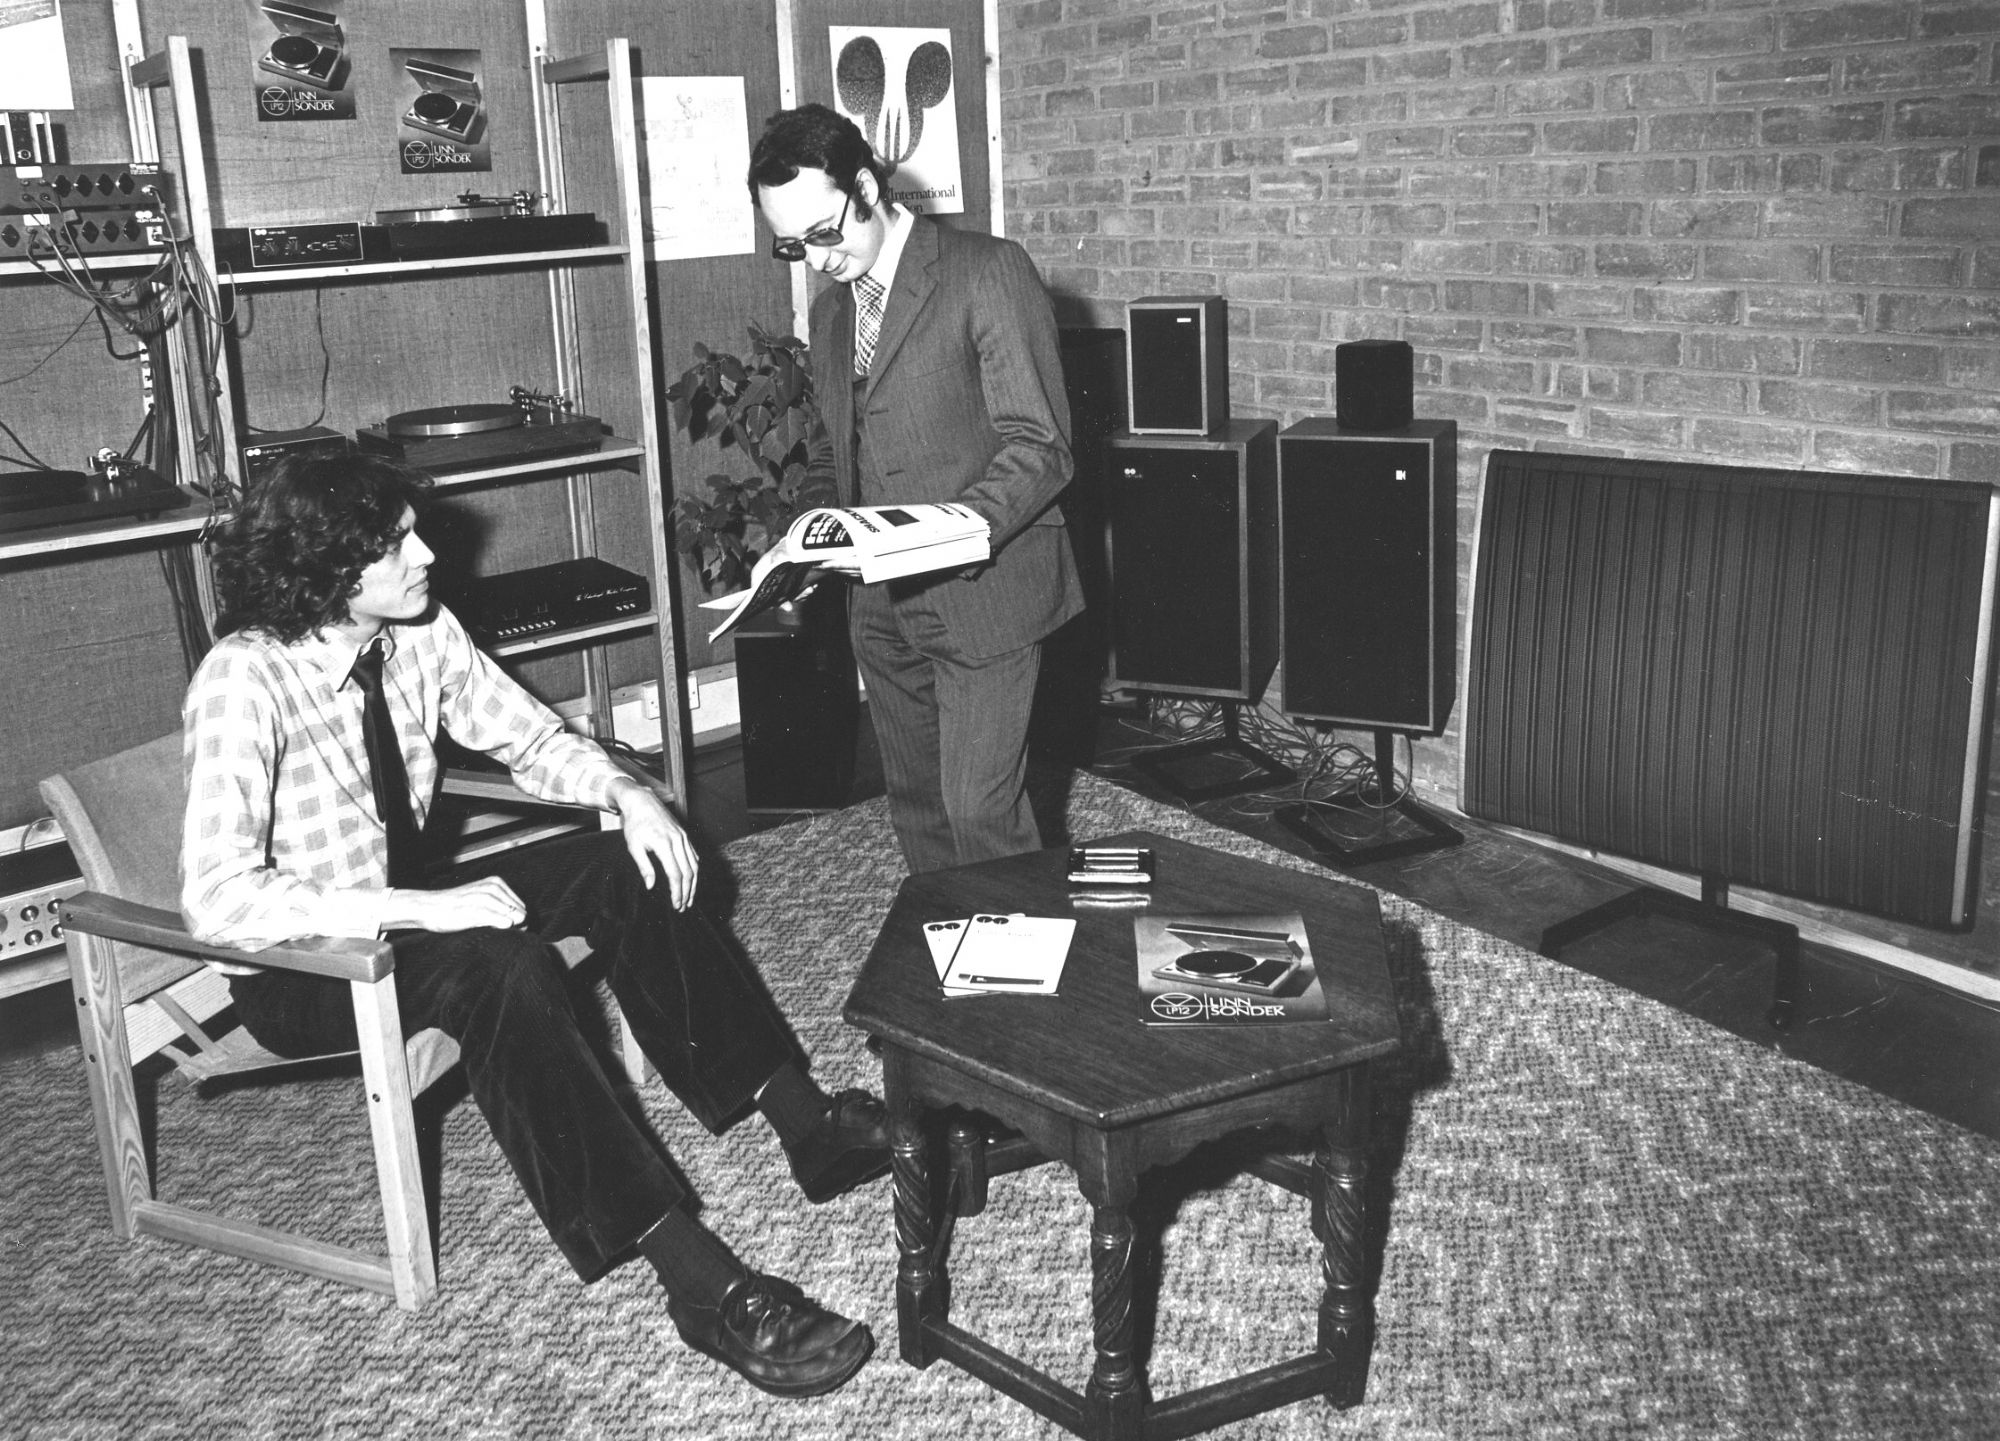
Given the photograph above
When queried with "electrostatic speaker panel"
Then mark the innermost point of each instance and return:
(1192, 529)
(1178, 366)
(1368, 545)
(1779, 678)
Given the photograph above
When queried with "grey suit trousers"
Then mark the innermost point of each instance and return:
(953, 732)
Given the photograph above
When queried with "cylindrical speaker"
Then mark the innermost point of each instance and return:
(1374, 384)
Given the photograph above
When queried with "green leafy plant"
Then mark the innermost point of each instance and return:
(764, 408)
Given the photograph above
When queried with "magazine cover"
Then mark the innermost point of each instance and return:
(1226, 970)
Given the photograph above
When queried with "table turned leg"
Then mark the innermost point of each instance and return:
(920, 1278)
(1340, 1176)
(1115, 1399)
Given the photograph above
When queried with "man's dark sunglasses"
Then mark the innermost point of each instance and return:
(824, 237)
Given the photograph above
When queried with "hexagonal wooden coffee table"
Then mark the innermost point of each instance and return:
(1083, 1082)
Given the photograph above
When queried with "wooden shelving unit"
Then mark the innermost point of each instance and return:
(635, 459)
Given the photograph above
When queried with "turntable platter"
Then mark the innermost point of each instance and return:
(448, 420)
(1214, 963)
(495, 211)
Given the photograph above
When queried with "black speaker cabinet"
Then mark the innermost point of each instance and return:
(1368, 530)
(1374, 384)
(796, 694)
(1192, 530)
(1178, 364)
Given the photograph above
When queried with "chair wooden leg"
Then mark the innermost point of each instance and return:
(386, 1075)
(107, 1058)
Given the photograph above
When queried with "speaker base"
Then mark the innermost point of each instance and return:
(1712, 912)
(1377, 802)
(1311, 825)
(1269, 771)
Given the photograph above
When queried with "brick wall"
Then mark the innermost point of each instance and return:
(1761, 233)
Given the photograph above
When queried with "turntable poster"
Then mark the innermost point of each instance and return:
(443, 108)
(1226, 970)
(896, 83)
(302, 68)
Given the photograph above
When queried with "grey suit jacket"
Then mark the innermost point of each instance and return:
(964, 401)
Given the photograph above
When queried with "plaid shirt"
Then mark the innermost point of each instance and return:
(281, 837)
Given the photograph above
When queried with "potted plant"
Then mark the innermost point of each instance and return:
(764, 408)
(795, 677)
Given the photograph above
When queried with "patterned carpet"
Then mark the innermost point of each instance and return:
(1606, 1220)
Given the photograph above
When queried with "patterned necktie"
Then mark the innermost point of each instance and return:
(867, 322)
(385, 769)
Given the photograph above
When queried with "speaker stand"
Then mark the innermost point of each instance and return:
(1711, 911)
(1372, 801)
(1270, 771)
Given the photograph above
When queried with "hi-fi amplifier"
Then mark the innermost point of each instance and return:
(267, 247)
(33, 886)
(25, 189)
(93, 232)
(265, 448)
(521, 603)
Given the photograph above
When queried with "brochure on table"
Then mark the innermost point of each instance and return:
(1226, 970)
(989, 955)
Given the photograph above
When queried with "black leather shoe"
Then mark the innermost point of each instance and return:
(776, 1337)
(850, 1145)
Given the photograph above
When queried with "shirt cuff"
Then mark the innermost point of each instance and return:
(355, 912)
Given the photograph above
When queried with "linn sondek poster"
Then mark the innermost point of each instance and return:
(302, 68)
(443, 109)
(896, 83)
(1226, 970)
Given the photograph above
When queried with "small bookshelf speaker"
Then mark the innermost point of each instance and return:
(1177, 364)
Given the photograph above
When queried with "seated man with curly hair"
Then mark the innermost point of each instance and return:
(306, 804)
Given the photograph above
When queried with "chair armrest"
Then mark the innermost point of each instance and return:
(644, 777)
(498, 788)
(495, 788)
(342, 958)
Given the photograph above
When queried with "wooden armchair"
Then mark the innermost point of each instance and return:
(142, 989)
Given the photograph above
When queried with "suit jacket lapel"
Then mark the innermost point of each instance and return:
(916, 278)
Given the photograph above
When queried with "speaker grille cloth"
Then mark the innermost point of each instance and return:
(1766, 676)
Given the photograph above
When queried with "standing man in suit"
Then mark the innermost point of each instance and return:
(939, 378)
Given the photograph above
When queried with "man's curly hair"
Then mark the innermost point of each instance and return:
(291, 559)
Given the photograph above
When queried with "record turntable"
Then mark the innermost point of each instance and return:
(476, 224)
(309, 49)
(469, 206)
(462, 437)
(449, 104)
(1235, 959)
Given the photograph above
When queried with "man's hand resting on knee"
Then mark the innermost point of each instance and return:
(652, 834)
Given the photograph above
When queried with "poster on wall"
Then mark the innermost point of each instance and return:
(443, 126)
(302, 68)
(697, 139)
(896, 83)
(34, 64)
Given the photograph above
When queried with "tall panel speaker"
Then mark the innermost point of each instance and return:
(1192, 529)
(1369, 574)
(1177, 366)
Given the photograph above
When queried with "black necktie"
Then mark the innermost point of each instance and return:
(385, 769)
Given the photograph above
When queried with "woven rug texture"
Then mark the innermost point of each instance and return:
(1605, 1219)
